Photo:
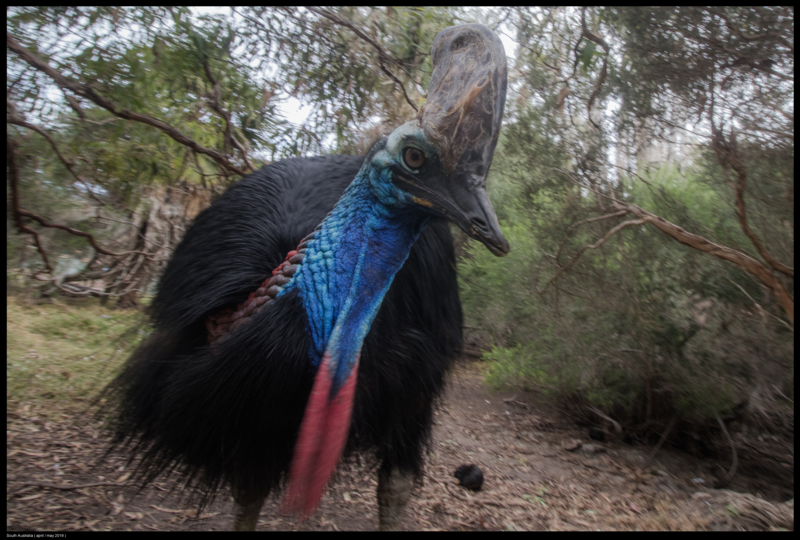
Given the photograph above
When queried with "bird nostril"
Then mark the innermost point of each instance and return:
(480, 223)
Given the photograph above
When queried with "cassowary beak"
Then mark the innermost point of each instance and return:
(462, 118)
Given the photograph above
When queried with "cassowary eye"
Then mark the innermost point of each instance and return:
(414, 158)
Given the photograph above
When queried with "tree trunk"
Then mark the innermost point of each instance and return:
(160, 222)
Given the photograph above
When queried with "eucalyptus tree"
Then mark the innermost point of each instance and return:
(144, 114)
(645, 176)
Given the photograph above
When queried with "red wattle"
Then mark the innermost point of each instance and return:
(323, 434)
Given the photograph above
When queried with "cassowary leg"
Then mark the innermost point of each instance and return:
(394, 490)
(246, 508)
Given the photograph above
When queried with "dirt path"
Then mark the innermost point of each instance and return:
(532, 482)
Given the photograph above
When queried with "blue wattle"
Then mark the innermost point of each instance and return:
(350, 264)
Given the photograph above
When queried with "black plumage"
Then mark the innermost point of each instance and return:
(242, 429)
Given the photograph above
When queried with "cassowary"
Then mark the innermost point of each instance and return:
(313, 311)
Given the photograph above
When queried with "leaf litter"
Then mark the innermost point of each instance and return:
(541, 473)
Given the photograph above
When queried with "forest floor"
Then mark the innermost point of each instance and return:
(542, 472)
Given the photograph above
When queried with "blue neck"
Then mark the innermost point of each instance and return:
(350, 265)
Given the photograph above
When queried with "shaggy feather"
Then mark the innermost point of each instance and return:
(230, 414)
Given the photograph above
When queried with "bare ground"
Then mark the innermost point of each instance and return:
(541, 473)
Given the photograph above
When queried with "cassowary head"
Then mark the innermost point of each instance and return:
(439, 160)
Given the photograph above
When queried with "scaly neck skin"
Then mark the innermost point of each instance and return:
(351, 263)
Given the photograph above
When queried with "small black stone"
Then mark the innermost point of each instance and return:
(627, 439)
(470, 476)
(597, 434)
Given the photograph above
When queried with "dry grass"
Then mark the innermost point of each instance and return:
(59, 355)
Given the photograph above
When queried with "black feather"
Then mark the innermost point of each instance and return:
(229, 414)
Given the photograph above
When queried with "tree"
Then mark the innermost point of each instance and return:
(645, 182)
(145, 106)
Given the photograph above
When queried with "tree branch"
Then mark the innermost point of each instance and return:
(86, 91)
(13, 179)
(214, 101)
(616, 425)
(740, 259)
(734, 458)
(383, 55)
(70, 230)
(13, 119)
(755, 37)
(651, 457)
(596, 245)
(603, 72)
(721, 252)
(74, 104)
(728, 157)
(578, 224)
(19, 213)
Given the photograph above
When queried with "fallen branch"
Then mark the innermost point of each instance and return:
(651, 457)
(735, 461)
(617, 427)
(74, 486)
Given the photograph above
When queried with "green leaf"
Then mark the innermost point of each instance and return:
(587, 53)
